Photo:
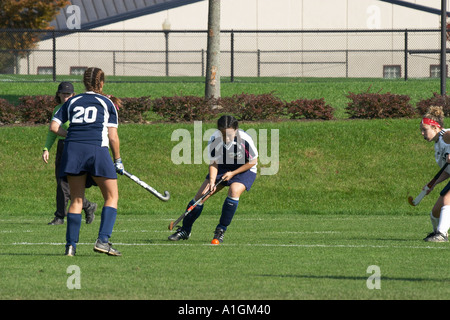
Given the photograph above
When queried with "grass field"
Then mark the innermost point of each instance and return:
(336, 208)
(288, 256)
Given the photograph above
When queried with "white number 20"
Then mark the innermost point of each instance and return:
(88, 115)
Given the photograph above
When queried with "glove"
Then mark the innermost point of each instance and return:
(119, 166)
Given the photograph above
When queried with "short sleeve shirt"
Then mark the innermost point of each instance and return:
(90, 114)
(235, 154)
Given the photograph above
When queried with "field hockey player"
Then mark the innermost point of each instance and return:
(233, 158)
(432, 128)
(86, 160)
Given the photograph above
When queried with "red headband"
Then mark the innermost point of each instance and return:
(430, 122)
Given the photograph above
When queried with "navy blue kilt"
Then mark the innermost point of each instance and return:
(246, 178)
(80, 158)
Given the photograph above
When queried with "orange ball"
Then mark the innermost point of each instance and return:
(215, 241)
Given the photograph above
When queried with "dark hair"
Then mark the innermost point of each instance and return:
(117, 102)
(92, 79)
(58, 99)
(227, 122)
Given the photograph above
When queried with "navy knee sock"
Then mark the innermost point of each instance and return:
(228, 210)
(73, 229)
(189, 220)
(109, 215)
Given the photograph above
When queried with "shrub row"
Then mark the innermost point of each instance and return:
(379, 106)
(246, 107)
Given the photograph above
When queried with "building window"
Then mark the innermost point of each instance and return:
(44, 70)
(392, 71)
(435, 70)
(77, 71)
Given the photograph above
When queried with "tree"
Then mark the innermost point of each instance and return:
(212, 83)
(24, 14)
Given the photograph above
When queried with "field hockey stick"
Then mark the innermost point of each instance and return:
(429, 185)
(173, 224)
(164, 197)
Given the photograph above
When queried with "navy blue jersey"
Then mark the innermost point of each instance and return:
(90, 114)
(235, 154)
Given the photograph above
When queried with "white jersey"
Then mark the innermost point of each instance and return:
(440, 149)
(235, 154)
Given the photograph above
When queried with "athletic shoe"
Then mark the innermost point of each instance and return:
(429, 235)
(106, 247)
(70, 251)
(218, 234)
(437, 237)
(90, 216)
(181, 234)
(56, 221)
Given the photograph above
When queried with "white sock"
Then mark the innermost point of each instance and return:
(434, 221)
(444, 220)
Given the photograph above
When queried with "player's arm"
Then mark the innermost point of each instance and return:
(213, 170)
(51, 137)
(114, 142)
(56, 128)
(444, 175)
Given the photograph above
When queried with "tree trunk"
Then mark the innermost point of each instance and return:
(212, 85)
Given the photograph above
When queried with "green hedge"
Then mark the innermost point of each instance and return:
(246, 107)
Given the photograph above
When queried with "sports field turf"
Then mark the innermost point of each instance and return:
(290, 256)
(333, 223)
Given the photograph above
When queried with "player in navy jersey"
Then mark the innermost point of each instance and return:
(233, 157)
(86, 160)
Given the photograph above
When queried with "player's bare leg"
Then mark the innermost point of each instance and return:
(77, 187)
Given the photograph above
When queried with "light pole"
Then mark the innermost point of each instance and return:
(443, 46)
(166, 29)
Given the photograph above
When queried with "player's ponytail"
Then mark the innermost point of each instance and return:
(93, 79)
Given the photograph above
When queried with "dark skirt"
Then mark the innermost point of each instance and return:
(81, 158)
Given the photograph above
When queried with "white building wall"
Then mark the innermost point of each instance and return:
(255, 15)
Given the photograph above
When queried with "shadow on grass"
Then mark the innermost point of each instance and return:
(31, 254)
(338, 277)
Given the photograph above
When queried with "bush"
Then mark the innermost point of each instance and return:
(376, 105)
(36, 109)
(134, 109)
(8, 112)
(249, 107)
(183, 108)
(310, 109)
(436, 100)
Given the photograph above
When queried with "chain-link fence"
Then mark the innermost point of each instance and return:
(135, 55)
